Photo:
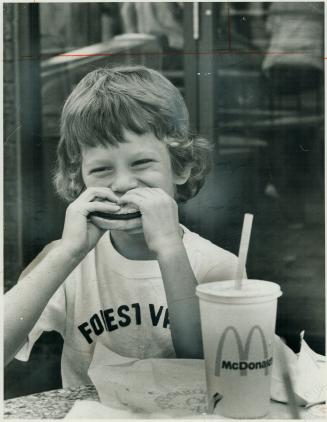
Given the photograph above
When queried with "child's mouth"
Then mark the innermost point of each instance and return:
(111, 216)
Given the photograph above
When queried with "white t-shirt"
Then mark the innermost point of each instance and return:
(120, 303)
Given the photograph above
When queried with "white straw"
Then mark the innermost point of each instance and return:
(243, 251)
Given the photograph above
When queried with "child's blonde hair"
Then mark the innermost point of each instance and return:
(141, 100)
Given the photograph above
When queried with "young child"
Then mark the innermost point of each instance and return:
(125, 148)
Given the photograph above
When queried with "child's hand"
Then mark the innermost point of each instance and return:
(80, 235)
(159, 217)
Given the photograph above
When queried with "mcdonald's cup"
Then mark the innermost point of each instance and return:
(238, 328)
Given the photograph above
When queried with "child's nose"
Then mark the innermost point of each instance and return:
(123, 182)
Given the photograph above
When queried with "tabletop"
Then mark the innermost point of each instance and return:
(55, 404)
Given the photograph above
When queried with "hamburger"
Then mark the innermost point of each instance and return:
(126, 218)
(126, 215)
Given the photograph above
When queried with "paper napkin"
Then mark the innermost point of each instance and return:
(307, 370)
(177, 387)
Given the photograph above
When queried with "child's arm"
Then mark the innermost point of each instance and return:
(183, 304)
(162, 234)
(25, 302)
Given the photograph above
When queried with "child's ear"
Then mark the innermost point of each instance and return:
(183, 177)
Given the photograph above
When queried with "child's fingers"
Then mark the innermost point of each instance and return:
(78, 208)
(137, 195)
(140, 197)
(92, 193)
(141, 192)
(134, 199)
(102, 206)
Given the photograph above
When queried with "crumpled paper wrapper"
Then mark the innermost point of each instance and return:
(174, 387)
(307, 371)
(160, 388)
(87, 409)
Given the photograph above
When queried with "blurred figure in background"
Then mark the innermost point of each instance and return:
(294, 69)
(165, 20)
(111, 20)
(295, 27)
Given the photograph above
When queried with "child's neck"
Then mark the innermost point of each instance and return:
(131, 246)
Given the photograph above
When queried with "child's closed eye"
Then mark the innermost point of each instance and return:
(142, 163)
(101, 170)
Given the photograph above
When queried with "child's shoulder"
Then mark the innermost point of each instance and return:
(204, 247)
(41, 255)
(209, 261)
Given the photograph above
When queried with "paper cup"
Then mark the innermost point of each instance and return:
(238, 328)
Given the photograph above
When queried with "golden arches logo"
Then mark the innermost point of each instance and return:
(242, 351)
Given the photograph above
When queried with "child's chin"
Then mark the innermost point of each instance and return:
(134, 225)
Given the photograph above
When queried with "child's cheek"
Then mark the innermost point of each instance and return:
(97, 182)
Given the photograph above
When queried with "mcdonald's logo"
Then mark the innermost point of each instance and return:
(243, 365)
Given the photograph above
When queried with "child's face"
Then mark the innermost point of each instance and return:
(142, 161)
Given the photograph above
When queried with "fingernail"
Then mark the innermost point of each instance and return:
(116, 207)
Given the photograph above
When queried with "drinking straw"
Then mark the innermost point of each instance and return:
(243, 250)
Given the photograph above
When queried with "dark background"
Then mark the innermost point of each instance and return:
(253, 82)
